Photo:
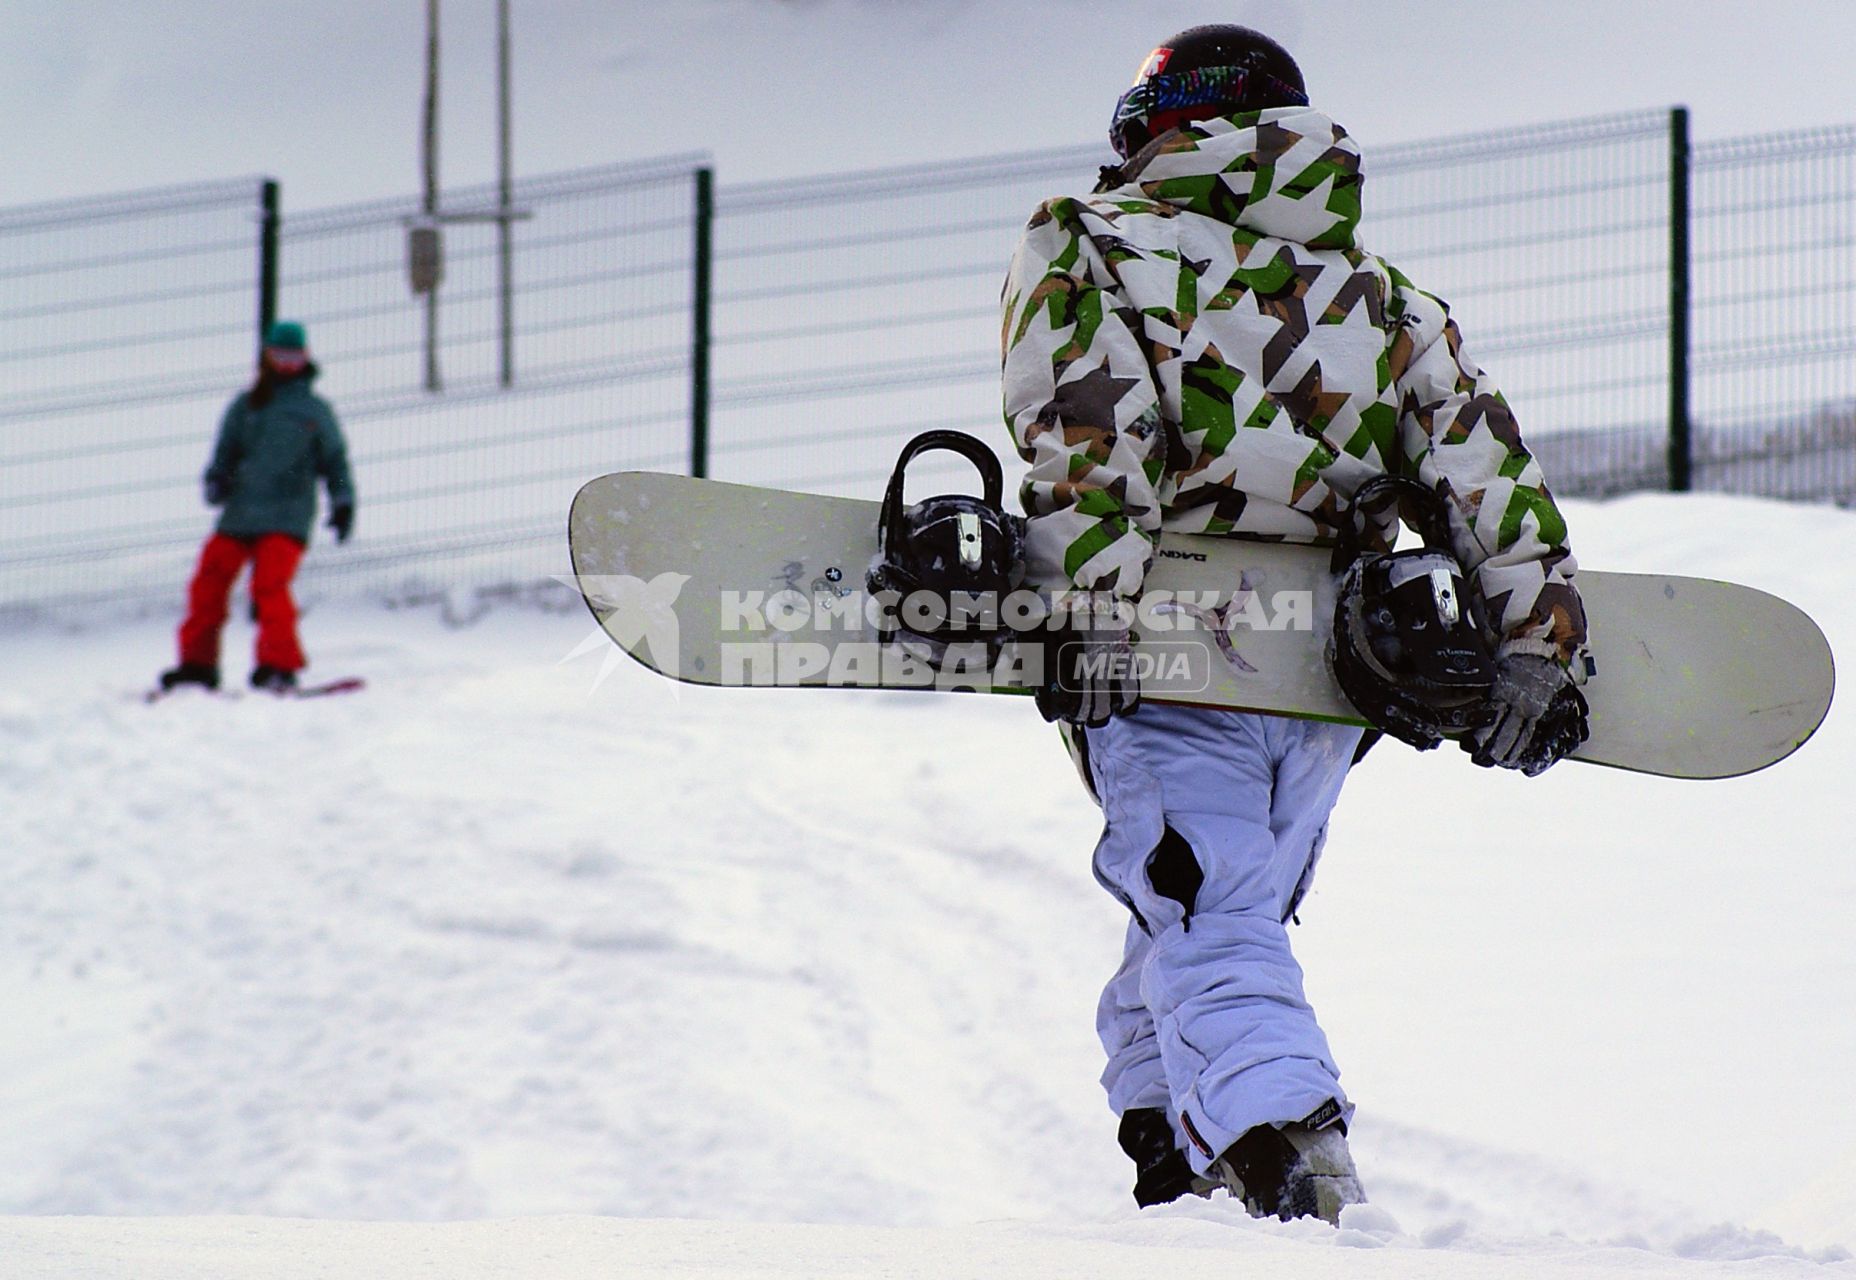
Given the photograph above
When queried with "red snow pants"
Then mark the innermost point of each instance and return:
(274, 558)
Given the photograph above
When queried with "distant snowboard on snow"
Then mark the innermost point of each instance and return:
(327, 688)
(725, 584)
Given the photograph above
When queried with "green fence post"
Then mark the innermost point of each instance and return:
(1681, 446)
(699, 335)
(269, 220)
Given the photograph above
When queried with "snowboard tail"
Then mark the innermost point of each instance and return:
(731, 585)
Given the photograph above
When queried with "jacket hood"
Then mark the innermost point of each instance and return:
(1288, 172)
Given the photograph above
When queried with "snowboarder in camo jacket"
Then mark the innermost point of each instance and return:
(1202, 346)
(275, 440)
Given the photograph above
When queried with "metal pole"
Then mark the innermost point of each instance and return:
(429, 143)
(699, 309)
(269, 222)
(505, 245)
(1681, 456)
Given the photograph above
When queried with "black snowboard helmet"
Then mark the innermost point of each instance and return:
(1410, 647)
(945, 565)
(1200, 73)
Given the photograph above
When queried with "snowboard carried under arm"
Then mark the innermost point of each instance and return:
(724, 584)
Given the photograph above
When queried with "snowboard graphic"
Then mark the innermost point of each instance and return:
(725, 584)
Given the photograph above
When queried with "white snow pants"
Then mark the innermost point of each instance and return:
(1213, 823)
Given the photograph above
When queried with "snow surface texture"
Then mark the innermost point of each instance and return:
(692, 982)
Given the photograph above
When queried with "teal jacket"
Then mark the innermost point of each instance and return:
(266, 462)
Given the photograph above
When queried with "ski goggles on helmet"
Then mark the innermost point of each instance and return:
(1165, 101)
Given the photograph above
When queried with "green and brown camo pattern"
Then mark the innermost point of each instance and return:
(1205, 348)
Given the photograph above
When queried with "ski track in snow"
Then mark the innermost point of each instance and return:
(487, 941)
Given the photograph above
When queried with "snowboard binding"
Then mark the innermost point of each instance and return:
(1410, 646)
(945, 565)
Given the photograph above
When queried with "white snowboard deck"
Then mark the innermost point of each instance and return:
(725, 584)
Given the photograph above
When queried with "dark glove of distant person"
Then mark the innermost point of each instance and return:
(1537, 716)
(1089, 673)
(341, 519)
(218, 488)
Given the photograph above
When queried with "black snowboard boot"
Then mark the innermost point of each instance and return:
(1292, 1172)
(191, 673)
(272, 679)
(1161, 1173)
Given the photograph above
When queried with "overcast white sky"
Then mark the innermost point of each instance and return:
(108, 95)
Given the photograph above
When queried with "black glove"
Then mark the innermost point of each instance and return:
(1536, 716)
(1089, 673)
(341, 519)
(218, 489)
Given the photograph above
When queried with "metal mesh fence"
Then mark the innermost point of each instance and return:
(124, 323)
(852, 312)
(472, 483)
(1552, 247)
(128, 325)
(856, 310)
(848, 313)
(1774, 355)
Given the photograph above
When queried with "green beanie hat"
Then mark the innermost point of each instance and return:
(287, 334)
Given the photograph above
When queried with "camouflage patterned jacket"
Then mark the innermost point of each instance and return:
(1204, 348)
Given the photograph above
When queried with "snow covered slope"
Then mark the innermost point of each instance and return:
(686, 981)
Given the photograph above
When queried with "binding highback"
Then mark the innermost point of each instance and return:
(1410, 646)
(945, 564)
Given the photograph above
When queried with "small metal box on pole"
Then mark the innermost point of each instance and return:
(425, 261)
(425, 256)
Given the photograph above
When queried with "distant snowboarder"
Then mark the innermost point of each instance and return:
(1202, 346)
(275, 439)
